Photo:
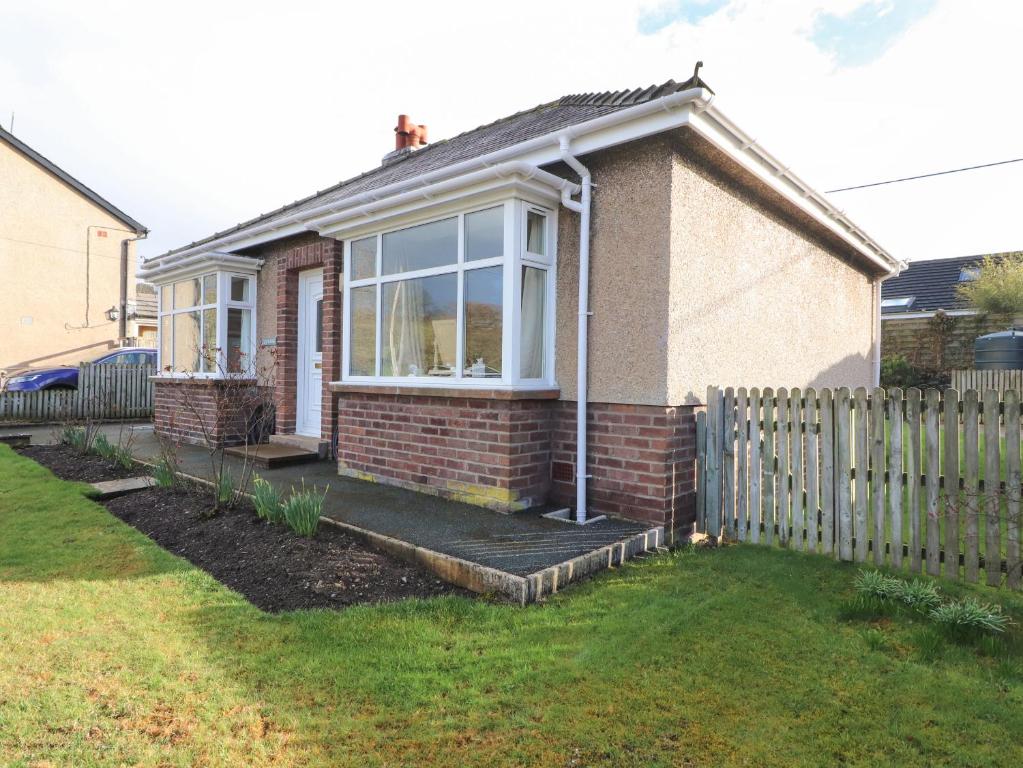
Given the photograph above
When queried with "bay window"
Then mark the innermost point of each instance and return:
(206, 325)
(460, 300)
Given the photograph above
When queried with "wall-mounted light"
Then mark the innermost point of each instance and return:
(112, 313)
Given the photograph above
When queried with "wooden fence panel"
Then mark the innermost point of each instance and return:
(796, 463)
(913, 473)
(951, 496)
(728, 462)
(827, 428)
(768, 466)
(742, 455)
(1013, 481)
(971, 484)
(895, 487)
(877, 476)
(861, 534)
(812, 470)
(1002, 381)
(755, 501)
(105, 392)
(932, 401)
(843, 475)
(992, 489)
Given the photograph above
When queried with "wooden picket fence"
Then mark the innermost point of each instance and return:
(104, 392)
(982, 380)
(915, 480)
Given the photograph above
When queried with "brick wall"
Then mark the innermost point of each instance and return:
(204, 411)
(490, 452)
(284, 261)
(511, 454)
(924, 345)
(641, 459)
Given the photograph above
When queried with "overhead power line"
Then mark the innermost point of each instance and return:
(927, 175)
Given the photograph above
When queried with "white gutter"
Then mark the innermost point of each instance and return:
(582, 341)
(206, 258)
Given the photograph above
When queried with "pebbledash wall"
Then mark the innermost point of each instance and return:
(688, 266)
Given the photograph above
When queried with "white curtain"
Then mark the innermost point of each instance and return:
(531, 351)
(405, 329)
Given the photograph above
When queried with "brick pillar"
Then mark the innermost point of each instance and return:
(324, 252)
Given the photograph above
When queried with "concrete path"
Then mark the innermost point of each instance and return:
(416, 525)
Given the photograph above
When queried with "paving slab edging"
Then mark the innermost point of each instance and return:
(484, 579)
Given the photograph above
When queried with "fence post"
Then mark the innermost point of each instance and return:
(812, 470)
(895, 450)
(1013, 480)
(933, 472)
(827, 472)
(754, 466)
(784, 500)
(728, 462)
(878, 408)
(767, 466)
(742, 454)
(992, 489)
(796, 464)
(843, 474)
(713, 490)
(951, 474)
(861, 535)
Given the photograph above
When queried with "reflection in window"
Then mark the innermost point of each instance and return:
(363, 336)
(422, 247)
(531, 350)
(186, 293)
(483, 309)
(536, 233)
(240, 289)
(166, 337)
(239, 335)
(209, 289)
(418, 326)
(186, 342)
(484, 234)
(364, 258)
(209, 340)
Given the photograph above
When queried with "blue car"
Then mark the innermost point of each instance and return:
(66, 376)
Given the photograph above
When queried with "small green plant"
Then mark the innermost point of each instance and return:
(268, 501)
(876, 639)
(73, 436)
(969, 617)
(225, 487)
(919, 595)
(102, 447)
(876, 584)
(302, 510)
(163, 473)
(122, 456)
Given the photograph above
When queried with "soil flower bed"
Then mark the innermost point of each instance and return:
(268, 564)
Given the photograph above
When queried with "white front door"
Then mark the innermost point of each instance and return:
(310, 352)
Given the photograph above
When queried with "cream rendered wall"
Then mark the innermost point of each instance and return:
(44, 230)
(753, 300)
(629, 278)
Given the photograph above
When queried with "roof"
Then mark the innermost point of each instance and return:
(932, 284)
(521, 126)
(71, 181)
(145, 306)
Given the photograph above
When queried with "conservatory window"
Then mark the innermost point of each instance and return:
(435, 302)
(206, 325)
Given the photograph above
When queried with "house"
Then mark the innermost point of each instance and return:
(443, 319)
(924, 320)
(67, 257)
(142, 315)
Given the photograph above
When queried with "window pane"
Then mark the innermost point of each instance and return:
(186, 293)
(239, 339)
(484, 234)
(536, 233)
(209, 340)
(209, 289)
(419, 327)
(364, 258)
(240, 289)
(483, 305)
(166, 355)
(166, 300)
(319, 325)
(422, 247)
(186, 340)
(534, 310)
(364, 331)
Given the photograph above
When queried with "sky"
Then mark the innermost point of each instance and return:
(193, 116)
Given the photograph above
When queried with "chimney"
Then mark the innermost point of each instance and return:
(408, 137)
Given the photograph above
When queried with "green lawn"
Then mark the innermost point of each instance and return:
(113, 652)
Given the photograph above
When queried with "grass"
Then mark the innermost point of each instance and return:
(115, 652)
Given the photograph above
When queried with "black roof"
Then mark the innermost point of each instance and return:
(931, 282)
(521, 126)
(70, 180)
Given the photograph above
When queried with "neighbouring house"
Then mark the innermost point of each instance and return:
(67, 257)
(924, 320)
(442, 319)
(142, 315)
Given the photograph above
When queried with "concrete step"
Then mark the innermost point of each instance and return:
(322, 447)
(274, 455)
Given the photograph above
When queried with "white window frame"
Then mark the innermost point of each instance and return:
(511, 261)
(222, 305)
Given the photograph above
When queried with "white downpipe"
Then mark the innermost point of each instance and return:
(877, 332)
(582, 350)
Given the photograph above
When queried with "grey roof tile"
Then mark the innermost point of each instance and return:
(932, 283)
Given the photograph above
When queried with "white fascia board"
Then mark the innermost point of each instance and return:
(161, 274)
(431, 202)
(692, 107)
(918, 315)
